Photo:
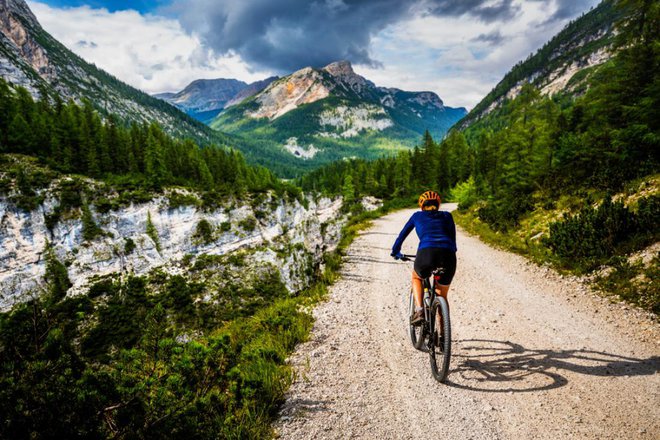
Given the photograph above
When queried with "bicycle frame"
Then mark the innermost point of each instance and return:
(432, 302)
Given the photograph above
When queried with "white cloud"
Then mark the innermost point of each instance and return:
(445, 55)
(150, 52)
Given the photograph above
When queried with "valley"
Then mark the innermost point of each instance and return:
(214, 262)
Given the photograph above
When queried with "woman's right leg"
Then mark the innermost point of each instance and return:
(417, 289)
(442, 291)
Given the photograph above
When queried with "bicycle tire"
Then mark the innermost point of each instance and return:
(416, 331)
(439, 340)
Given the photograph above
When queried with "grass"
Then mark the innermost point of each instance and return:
(634, 282)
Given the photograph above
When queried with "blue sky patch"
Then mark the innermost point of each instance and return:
(142, 6)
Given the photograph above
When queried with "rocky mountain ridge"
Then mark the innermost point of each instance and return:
(562, 65)
(203, 99)
(309, 85)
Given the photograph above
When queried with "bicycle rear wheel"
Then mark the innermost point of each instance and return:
(416, 331)
(439, 341)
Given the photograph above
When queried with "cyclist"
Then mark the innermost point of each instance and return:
(437, 248)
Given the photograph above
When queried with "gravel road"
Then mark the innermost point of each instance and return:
(535, 355)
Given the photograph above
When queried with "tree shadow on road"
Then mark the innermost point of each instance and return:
(504, 366)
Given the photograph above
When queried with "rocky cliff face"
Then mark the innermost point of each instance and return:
(302, 87)
(288, 235)
(19, 38)
(343, 72)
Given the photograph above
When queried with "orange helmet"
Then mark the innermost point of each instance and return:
(429, 200)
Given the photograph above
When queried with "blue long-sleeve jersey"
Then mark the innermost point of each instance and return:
(435, 229)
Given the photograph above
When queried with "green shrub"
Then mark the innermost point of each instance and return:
(152, 232)
(592, 236)
(70, 194)
(204, 231)
(27, 199)
(103, 287)
(56, 277)
(51, 219)
(129, 246)
(104, 205)
(504, 213)
(465, 194)
(248, 224)
(90, 230)
(225, 226)
(177, 199)
(633, 282)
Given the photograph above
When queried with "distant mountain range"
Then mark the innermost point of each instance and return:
(203, 99)
(318, 115)
(289, 124)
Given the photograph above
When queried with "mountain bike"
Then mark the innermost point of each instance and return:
(434, 333)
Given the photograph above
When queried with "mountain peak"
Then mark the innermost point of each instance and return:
(340, 68)
(343, 72)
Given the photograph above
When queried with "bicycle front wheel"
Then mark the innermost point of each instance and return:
(416, 331)
(439, 341)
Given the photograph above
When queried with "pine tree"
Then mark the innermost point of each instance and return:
(19, 136)
(153, 159)
(348, 190)
(152, 232)
(56, 277)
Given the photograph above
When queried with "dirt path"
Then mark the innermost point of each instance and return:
(535, 355)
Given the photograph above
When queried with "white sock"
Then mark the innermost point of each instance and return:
(417, 309)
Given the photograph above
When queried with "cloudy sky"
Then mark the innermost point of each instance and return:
(457, 48)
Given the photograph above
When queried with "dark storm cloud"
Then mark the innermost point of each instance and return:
(489, 12)
(492, 38)
(284, 35)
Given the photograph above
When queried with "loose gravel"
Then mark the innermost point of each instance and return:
(536, 355)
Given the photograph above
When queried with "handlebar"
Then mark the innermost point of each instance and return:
(408, 257)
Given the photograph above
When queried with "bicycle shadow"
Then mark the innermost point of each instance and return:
(485, 365)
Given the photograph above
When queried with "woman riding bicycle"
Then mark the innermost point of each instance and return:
(437, 248)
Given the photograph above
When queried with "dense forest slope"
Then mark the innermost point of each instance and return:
(316, 116)
(569, 178)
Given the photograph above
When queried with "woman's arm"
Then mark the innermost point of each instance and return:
(409, 226)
